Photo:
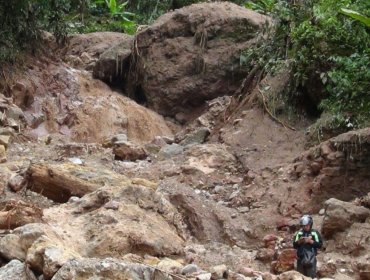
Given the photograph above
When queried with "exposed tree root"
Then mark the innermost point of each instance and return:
(271, 115)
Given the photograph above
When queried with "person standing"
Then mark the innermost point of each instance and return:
(306, 241)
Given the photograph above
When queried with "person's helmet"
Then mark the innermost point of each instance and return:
(306, 220)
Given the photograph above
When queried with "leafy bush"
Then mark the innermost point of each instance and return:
(22, 20)
(328, 45)
(101, 15)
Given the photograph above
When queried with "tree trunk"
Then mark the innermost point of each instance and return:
(56, 185)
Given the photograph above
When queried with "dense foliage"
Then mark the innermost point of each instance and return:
(328, 42)
(22, 20)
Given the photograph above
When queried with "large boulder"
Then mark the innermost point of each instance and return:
(193, 54)
(207, 220)
(47, 255)
(129, 151)
(121, 219)
(109, 269)
(340, 215)
(285, 260)
(84, 49)
(16, 270)
(16, 244)
(113, 62)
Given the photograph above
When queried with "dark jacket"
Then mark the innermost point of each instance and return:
(304, 246)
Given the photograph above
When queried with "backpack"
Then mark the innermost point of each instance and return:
(308, 258)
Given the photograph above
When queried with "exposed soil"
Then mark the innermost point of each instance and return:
(231, 199)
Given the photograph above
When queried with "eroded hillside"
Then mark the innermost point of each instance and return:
(97, 186)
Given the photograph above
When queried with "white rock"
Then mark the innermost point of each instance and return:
(204, 276)
(76, 160)
(219, 271)
(189, 269)
(16, 270)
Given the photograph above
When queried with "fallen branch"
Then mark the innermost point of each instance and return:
(271, 115)
(56, 184)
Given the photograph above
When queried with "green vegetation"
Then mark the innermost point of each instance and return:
(22, 20)
(101, 15)
(328, 44)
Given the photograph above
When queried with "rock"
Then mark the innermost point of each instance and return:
(144, 223)
(16, 182)
(23, 93)
(152, 149)
(170, 150)
(119, 139)
(197, 137)
(183, 66)
(268, 276)
(86, 58)
(190, 269)
(114, 205)
(54, 258)
(237, 276)
(108, 269)
(144, 183)
(47, 255)
(207, 219)
(6, 131)
(35, 119)
(114, 62)
(340, 215)
(59, 182)
(75, 61)
(315, 167)
(292, 275)
(269, 238)
(16, 270)
(76, 160)
(247, 271)
(170, 265)
(11, 248)
(244, 209)
(129, 151)
(204, 276)
(2, 154)
(74, 199)
(159, 141)
(16, 245)
(325, 149)
(15, 113)
(150, 260)
(168, 140)
(266, 255)
(219, 271)
(209, 158)
(285, 260)
(234, 194)
(92, 44)
(4, 140)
